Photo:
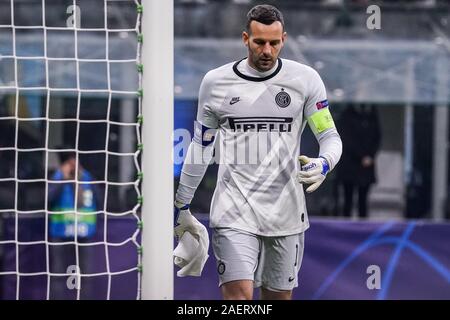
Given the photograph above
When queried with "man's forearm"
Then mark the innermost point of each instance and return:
(54, 191)
(197, 160)
(331, 147)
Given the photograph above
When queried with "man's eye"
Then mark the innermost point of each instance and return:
(274, 43)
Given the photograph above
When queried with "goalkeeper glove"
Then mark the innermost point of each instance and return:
(185, 221)
(313, 171)
(189, 256)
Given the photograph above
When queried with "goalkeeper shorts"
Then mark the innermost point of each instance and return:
(270, 262)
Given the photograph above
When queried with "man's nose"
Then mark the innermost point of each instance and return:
(267, 49)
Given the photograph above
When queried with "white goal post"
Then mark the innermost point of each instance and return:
(157, 190)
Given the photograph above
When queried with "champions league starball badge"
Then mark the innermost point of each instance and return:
(283, 99)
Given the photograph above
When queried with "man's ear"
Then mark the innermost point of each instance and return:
(245, 38)
(283, 39)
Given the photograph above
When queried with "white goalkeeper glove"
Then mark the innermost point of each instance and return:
(313, 171)
(185, 221)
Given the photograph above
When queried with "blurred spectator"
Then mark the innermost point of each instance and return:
(359, 128)
(61, 197)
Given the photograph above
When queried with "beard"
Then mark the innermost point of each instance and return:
(264, 63)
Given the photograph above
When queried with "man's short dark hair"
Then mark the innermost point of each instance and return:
(66, 154)
(265, 14)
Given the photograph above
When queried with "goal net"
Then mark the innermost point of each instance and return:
(71, 119)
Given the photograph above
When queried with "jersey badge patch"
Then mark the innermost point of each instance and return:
(283, 99)
(322, 104)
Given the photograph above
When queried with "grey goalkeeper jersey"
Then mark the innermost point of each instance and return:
(260, 118)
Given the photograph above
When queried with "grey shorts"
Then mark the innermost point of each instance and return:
(270, 262)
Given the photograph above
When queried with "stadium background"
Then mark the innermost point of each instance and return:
(403, 70)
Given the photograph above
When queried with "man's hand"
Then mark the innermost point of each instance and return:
(185, 221)
(313, 171)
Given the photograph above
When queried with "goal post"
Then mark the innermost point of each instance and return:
(157, 163)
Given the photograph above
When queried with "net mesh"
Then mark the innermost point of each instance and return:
(65, 90)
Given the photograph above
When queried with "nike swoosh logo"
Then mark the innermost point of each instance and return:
(235, 100)
(291, 279)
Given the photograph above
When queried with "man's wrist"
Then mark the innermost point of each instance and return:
(325, 165)
(182, 206)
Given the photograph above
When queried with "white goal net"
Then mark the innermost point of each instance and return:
(70, 149)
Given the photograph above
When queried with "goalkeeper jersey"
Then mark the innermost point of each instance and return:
(259, 119)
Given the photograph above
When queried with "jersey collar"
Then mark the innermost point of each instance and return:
(257, 79)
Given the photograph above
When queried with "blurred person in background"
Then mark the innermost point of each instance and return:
(359, 128)
(258, 211)
(61, 197)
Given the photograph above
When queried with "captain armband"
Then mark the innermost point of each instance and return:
(321, 121)
(204, 135)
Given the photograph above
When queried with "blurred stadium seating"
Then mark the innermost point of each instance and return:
(406, 63)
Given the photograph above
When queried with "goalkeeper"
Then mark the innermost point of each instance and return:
(254, 110)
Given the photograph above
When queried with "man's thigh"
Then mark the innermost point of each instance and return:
(280, 262)
(237, 254)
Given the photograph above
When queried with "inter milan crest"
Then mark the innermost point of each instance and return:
(283, 99)
(221, 268)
